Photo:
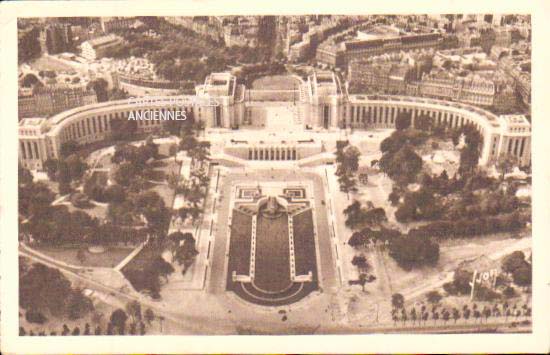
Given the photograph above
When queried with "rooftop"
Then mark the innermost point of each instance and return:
(324, 83)
(514, 119)
(379, 32)
(32, 122)
(219, 84)
(102, 41)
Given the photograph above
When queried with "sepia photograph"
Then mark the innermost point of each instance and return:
(274, 174)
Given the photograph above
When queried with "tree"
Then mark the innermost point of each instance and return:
(433, 297)
(435, 316)
(397, 300)
(141, 328)
(404, 317)
(201, 152)
(455, 137)
(24, 176)
(358, 216)
(466, 314)
(513, 261)
(133, 309)
(424, 123)
(403, 120)
(509, 292)
(173, 151)
(35, 199)
(125, 173)
(100, 86)
(505, 164)
(486, 313)
(403, 165)
(522, 275)
(64, 188)
(68, 148)
(461, 282)
(477, 314)
(29, 80)
(469, 154)
(360, 261)
(414, 316)
(81, 255)
(44, 289)
(425, 316)
(353, 210)
(87, 329)
(173, 179)
(133, 329)
(350, 159)
(78, 305)
(347, 183)
(456, 314)
(76, 167)
(394, 197)
(110, 329)
(188, 141)
(375, 216)
(363, 279)
(149, 315)
(406, 212)
(34, 316)
(163, 267)
(185, 254)
(123, 129)
(446, 316)
(414, 251)
(114, 193)
(118, 319)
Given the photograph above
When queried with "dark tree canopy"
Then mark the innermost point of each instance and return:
(414, 251)
(45, 289)
(403, 165)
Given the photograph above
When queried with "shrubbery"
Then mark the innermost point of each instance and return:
(472, 227)
(43, 289)
(147, 277)
(33, 316)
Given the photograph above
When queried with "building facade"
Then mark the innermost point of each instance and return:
(379, 111)
(109, 24)
(46, 101)
(136, 85)
(472, 90)
(387, 78)
(98, 47)
(219, 103)
(57, 38)
(340, 54)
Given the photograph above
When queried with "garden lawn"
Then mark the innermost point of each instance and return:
(110, 258)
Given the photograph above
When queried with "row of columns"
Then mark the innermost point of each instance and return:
(30, 150)
(373, 114)
(101, 124)
(272, 153)
(515, 146)
(388, 114)
(87, 126)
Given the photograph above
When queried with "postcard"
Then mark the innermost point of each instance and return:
(230, 177)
